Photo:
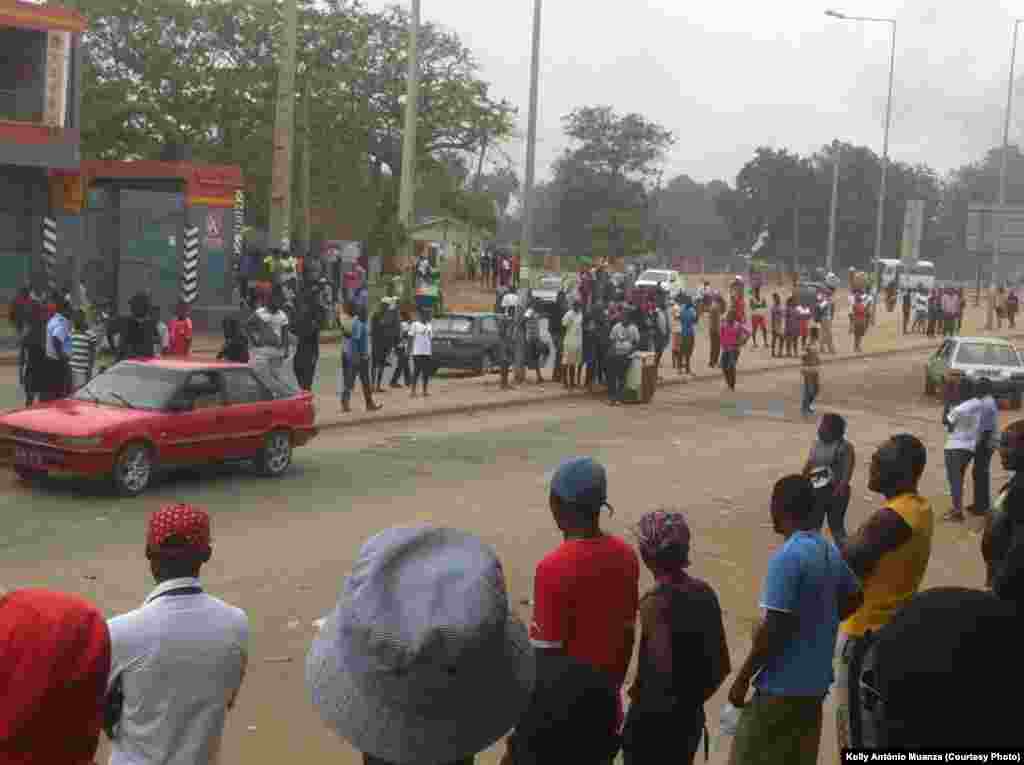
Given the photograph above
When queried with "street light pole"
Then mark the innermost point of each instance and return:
(997, 244)
(406, 194)
(526, 243)
(888, 119)
(833, 209)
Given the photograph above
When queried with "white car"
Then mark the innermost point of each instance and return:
(670, 281)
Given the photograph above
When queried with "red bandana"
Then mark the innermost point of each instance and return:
(183, 521)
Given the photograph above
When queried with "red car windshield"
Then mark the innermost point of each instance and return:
(137, 386)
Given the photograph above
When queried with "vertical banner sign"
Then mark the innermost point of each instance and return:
(190, 266)
(913, 228)
(50, 251)
(58, 50)
(239, 224)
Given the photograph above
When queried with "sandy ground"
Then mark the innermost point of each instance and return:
(284, 548)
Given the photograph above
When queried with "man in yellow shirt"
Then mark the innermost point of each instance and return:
(889, 554)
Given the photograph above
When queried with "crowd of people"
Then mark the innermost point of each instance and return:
(424, 630)
(58, 347)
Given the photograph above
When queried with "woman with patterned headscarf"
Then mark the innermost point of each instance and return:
(54, 666)
(683, 656)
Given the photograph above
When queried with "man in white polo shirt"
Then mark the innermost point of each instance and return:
(177, 662)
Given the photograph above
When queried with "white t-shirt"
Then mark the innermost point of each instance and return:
(422, 338)
(511, 300)
(966, 421)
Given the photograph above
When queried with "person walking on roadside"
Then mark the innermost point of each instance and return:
(236, 347)
(829, 468)
(269, 337)
(792, 327)
(715, 331)
(385, 332)
(1012, 306)
(179, 660)
(163, 334)
(402, 352)
(1000, 307)
(810, 371)
(759, 317)
(586, 591)
(858, 322)
(734, 336)
(422, 332)
(688, 334)
(827, 313)
(355, 358)
(676, 320)
(907, 303)
(684, 656)
(662, 331)
(963, 421)
(950, 304)
(54, 667)
(535, 350)
(572, 343)
(423, 659)
(83, 351)
(889, 553)
(58, 354)
(623, 340)
(556, 311)
(808, 590)
(778, 319)
(988, 437)
(135, 335)
(308, 320)
(960, 313)
(180, 331)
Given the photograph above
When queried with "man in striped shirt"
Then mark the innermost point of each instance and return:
(83, 351)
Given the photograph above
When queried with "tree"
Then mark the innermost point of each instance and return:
(204, 73)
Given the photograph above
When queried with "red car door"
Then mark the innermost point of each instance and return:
(250, 411)
(199, 434)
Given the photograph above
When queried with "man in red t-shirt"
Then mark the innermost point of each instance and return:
(586, 590)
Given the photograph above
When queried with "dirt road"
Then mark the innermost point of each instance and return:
(282, 549)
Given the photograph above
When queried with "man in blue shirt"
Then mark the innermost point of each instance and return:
(355, 360)
(688, 320)
(809, 589)
(58, 352)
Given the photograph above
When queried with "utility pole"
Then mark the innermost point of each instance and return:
(284, 123)
(526, 243)
(407, 190)
(305, 182)
(834, 207)
(997, 244)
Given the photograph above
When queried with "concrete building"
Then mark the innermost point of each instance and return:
(40, 93)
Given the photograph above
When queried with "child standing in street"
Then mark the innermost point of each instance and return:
(778, 325)
(83, 351)
(810, 369)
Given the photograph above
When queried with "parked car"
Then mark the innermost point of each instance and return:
(466, 341)
(141, 416)
(547, 289)
(977, 357)
(671, 282)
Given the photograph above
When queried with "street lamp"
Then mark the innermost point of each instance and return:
(997, 244)
(888, 119)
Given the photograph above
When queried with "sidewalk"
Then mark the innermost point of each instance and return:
(459, 395)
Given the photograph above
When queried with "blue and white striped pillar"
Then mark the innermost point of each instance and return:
(190, 266)
(50, 251)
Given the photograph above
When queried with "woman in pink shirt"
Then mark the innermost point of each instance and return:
(733, 335)
(179, 332)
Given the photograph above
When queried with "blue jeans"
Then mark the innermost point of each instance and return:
(957, 461)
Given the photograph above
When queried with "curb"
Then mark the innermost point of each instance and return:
(548, 397)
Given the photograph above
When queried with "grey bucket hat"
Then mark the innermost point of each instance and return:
(422, 660)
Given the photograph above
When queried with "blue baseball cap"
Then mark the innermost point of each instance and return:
(581, 481)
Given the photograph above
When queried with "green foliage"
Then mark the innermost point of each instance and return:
(204, 73)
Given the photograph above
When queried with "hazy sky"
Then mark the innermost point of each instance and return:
(729, 75)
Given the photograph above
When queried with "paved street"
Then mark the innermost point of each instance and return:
(283, 548)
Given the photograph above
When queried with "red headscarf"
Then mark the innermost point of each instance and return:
(54, 665)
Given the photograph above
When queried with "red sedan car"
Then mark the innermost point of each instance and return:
(139, 416)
